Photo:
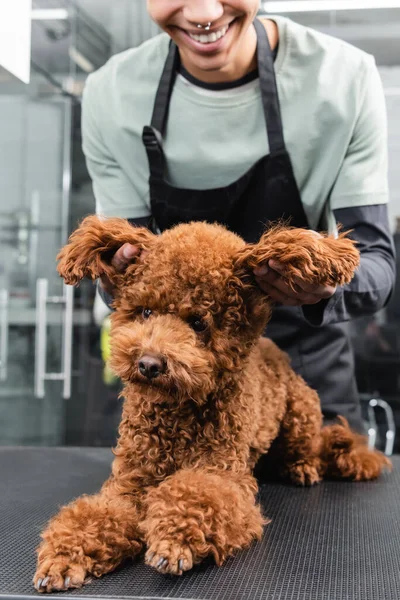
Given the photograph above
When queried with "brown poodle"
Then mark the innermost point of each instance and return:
(205, 397)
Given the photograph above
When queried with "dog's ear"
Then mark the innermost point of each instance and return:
(307, 256)
(91, 247)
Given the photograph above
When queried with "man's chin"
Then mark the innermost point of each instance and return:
(218, 61)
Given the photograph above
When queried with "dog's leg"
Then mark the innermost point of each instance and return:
(88, 537)
(298, 446)
(196, 513)
(345, 454)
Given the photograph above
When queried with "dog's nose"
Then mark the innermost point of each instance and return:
(151, 366)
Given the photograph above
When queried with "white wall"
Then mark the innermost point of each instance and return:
(15, 37)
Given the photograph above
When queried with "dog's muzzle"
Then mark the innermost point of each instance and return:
(151, 366)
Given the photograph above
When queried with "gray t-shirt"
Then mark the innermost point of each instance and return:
(333, 112)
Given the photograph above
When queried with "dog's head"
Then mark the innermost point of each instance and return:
(188, 309)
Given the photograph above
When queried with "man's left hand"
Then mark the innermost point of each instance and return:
(271, 280)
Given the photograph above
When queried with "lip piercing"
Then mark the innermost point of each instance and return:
(205, 27)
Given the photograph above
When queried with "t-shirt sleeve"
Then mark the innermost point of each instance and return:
(359, 202)
(362, 178)
(115, 193)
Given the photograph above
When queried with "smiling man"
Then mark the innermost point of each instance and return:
(229, 118)
(216, 41)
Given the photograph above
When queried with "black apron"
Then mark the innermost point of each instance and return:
(267, 192)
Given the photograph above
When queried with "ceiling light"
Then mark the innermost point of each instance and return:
(296, 6)
(50, 14)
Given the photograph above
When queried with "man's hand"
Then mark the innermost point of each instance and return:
(120, 261)
(271, 280)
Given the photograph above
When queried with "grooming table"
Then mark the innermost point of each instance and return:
(336, 541)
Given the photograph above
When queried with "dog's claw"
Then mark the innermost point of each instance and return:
(162, 563)
(169, 558)
(58, 576)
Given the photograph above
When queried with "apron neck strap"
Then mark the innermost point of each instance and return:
(164, 91)
(269, 91)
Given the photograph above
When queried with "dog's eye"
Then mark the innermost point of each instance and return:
(146, 312)
(197, 324)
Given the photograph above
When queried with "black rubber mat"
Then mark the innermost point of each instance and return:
(337, 541)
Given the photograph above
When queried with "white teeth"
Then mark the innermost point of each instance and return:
(211, 37)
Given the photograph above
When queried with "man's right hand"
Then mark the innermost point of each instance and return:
(121, 259)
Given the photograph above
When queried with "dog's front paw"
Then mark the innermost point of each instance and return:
(59, 574)
(302, 473)
(169, 557)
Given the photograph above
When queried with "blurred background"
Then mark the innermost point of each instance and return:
(55, 388)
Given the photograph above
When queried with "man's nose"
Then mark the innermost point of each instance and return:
(203, 11)
(151, 366)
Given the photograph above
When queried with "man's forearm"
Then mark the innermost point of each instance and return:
(372, 285)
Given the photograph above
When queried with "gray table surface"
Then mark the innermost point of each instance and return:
(336, 541)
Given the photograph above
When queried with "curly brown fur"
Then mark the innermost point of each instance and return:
(182, 483)
(316, 259)
(91, 247)
(345, 455)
